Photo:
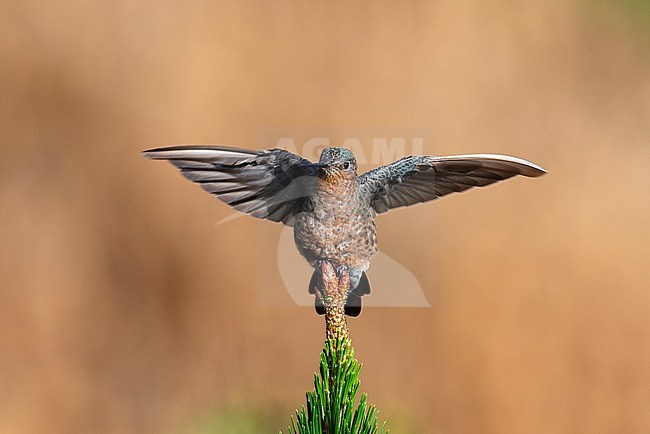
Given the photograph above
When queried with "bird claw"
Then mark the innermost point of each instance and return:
(333, 279)
(326, 270)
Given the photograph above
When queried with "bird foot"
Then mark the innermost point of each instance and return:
(334, 281)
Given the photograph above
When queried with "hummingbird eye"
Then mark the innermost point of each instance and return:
(346, 165)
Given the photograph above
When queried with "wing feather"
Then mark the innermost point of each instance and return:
(418, 179)
(265, 184)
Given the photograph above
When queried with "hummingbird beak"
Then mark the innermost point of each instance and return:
(313, 165)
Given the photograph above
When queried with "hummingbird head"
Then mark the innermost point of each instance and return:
(340, 163)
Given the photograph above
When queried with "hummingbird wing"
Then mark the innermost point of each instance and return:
(418, 179)
(265, 184)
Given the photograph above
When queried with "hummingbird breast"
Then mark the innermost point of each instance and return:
(338, 227)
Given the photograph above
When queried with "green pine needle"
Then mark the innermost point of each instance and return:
(331, 405)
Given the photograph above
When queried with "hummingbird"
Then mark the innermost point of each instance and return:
(329, 205)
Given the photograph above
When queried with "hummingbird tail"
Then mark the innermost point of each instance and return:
(353, 302)
(313, 285)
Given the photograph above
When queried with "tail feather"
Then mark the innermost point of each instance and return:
(313, 285)
(352, 304)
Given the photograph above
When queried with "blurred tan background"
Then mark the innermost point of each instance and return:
(124, 308)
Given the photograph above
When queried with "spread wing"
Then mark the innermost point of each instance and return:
(417, 179)
(265, 184)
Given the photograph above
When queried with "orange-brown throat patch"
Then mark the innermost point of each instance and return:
(333, 179)
(331, 175)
